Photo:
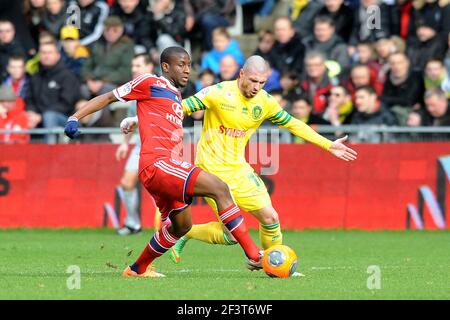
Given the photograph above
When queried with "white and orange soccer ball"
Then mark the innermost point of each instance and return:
(279, 261)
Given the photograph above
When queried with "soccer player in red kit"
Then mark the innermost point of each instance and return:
(170, 181)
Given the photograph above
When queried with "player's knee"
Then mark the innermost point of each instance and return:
(127, 183)
(270, 218)
(181, 229)
(221, 190)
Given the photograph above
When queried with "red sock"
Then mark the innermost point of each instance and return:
(162, 241)
(234, 221)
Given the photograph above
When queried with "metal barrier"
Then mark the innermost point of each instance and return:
(367, 134)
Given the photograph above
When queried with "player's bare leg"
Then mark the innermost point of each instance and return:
(208, 185)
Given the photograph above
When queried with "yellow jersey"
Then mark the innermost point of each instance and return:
(230, 119)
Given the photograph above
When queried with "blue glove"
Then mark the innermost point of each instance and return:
(71, 128)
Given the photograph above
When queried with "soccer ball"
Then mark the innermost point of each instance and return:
(279, 261)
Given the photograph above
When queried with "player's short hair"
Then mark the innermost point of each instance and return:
(367, 88)
(170, 52)
(256, 63)
(147, 58)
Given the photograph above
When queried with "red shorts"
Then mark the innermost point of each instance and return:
(171, 183)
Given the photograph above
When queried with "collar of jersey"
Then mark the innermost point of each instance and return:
(171, 86)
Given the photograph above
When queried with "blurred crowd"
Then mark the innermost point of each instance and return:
(333, 62)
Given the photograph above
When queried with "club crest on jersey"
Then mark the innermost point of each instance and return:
(176, 107)
(256, 113)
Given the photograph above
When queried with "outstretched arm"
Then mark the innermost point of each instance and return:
(93, 105)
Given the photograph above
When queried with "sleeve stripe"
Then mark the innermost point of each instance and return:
(277, 115)
(116, 94)
(282, 118)
(287, 120)
(190, 104)
(200, 103)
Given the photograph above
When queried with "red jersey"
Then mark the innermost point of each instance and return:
(17, 120)
(160, 117)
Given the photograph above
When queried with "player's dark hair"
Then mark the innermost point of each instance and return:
(170, 52)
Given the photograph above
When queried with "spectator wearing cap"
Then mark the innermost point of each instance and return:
(403, 89)
(54, 16)
(8, 45)
(72, 52)
(11, 117)
(110, 58)
(53, 91)
(92, 18)
(427, 45)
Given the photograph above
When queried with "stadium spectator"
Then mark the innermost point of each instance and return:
(288, 51)
(302, 13)
(290, 85)
(302, 110)
(207, 15)
(137, 24)
(447, 56)
(266, 41)
(436, 77)
(34, 17)
(110, 58)
(325, 40)
(402, 18)
(370, 110)
(9, 46)
(52, 92)
(437, 113)
(370, 24)
(170, 21)
(340, 107)
(428, 45)
(12, 117)
(316, 84)
(403, 89)
(205, 79)
(228, 69)
(342, 16)
(436, 13)
(93, 14)
(16, 75)
(223, 45)
(72, 52)
(55, 16)
(273, 80)
(32, 65)
(361, 75)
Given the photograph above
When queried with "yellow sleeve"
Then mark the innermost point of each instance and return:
(197, 102)
(298, 128)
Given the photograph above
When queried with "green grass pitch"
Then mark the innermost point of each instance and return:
(336, 264)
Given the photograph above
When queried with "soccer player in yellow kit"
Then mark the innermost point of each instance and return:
(233, 112)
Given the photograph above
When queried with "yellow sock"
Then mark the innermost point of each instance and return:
(211, 232)
(270, 235)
